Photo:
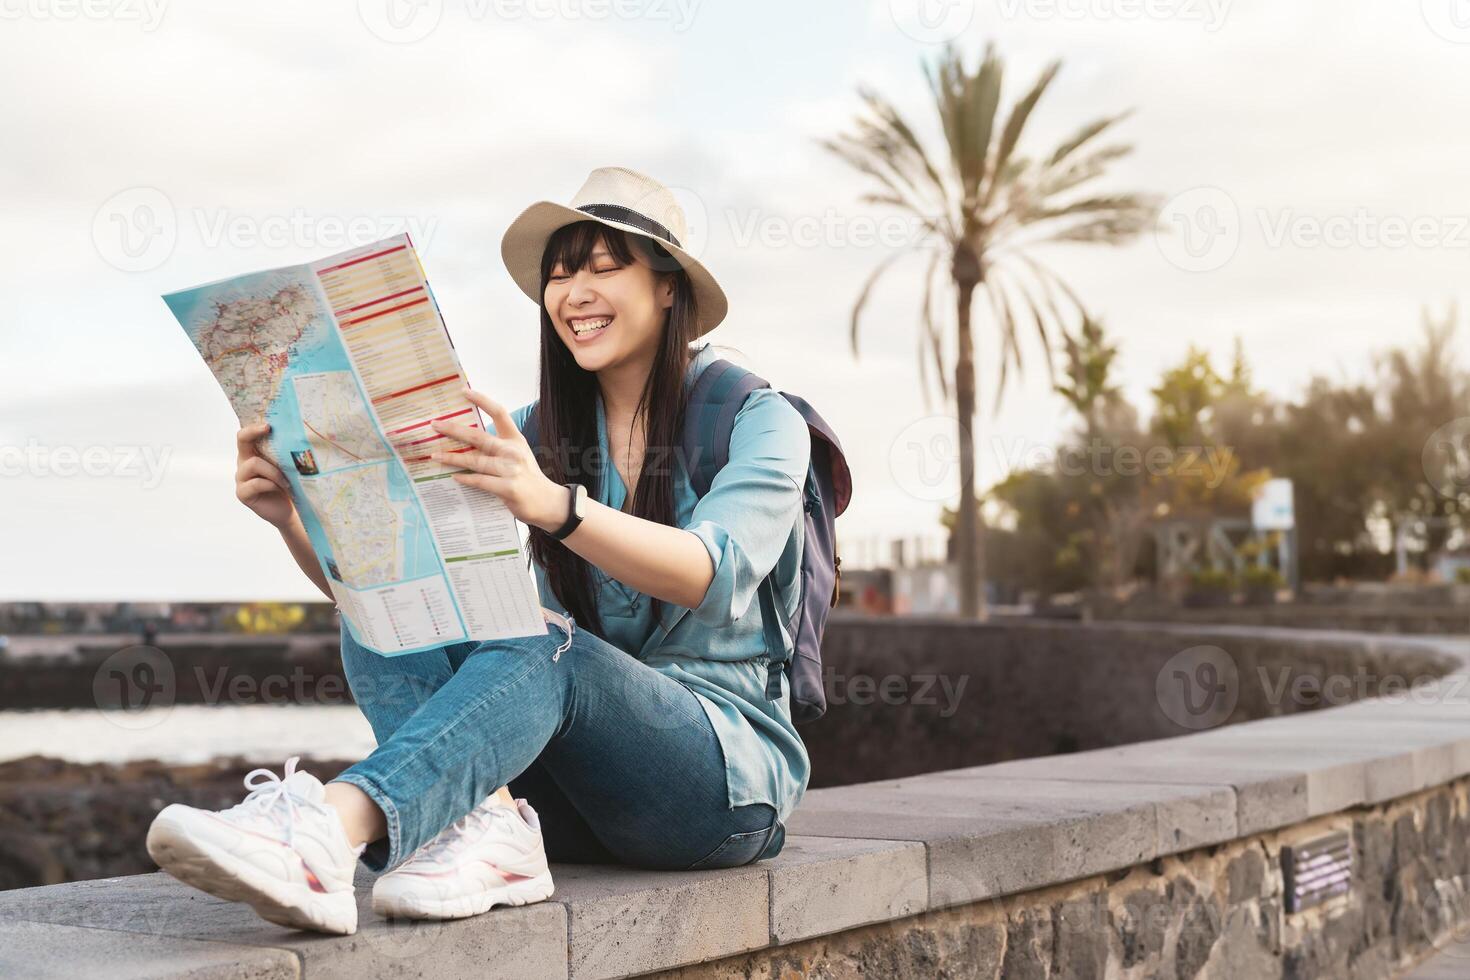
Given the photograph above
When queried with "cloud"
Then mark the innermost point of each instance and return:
(247, 117)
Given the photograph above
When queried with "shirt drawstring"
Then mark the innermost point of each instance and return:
(568, 624)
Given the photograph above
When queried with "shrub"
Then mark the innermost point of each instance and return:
(1211, 580)
(1258, 577)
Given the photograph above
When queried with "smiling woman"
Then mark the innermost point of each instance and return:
(639, 358)
(659, 733)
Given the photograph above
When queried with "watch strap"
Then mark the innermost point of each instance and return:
(573, 519)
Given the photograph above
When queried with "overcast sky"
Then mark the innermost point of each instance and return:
(1299, 144)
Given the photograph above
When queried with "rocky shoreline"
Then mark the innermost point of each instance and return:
(66, 821)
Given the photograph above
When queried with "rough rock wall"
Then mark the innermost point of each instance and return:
(1213, 914)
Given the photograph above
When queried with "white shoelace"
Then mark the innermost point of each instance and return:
(452, 838)
(266, 796)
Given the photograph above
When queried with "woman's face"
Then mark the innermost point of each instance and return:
(607, 313)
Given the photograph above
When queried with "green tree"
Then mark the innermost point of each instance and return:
(1325, 447)
(1423, 390)
(1356, 454)
(1115, 500)
(1088, 387)
(1185, 399)
(986, 205)
(1244, 419)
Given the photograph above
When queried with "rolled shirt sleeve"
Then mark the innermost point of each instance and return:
(747, 517)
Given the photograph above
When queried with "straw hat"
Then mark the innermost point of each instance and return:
(619, 198)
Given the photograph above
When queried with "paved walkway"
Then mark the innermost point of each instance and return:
(1448, 964)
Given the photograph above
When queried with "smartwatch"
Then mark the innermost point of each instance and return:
(576, 510)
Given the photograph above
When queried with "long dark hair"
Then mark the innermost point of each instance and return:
(567, 411)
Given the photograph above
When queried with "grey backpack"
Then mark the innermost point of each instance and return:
(715, 398)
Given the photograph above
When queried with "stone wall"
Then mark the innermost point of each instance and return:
(1216, 913)
(907, 696)
(918, 695)
(1414, 619)
(305, 669)
(1151, 859)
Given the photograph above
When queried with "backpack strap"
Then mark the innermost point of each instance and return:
(714, 401)
(709, 418)
(773, 621)
(715, 398)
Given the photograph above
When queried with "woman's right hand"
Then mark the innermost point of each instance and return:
(259, 484)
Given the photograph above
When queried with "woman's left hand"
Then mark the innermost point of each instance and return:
(504, 464)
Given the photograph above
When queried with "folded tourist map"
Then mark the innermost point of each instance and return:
(349, 361)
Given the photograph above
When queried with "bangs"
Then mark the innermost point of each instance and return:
(572, 246)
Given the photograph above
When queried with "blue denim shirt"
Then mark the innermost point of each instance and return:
(750, 523)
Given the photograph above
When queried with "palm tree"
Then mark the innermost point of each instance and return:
(982, 205)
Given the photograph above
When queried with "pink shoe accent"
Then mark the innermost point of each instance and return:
(510, 877)
(311, 879)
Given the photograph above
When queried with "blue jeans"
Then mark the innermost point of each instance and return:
(619, 760)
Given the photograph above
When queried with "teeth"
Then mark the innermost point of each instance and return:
(586, 326)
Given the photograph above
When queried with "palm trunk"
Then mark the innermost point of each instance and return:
(970, 550)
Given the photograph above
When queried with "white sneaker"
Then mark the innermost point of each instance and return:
(493, 855)
(282, 850)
